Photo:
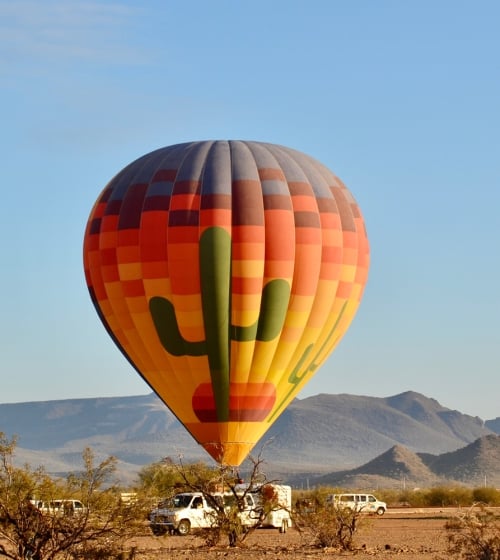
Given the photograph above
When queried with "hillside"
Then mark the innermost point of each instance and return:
(474, 465)
(397, 467)
(315, 435)
(345, 431)
(493, 425)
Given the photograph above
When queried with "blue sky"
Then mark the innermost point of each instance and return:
(401, 99)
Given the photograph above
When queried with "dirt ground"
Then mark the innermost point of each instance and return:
(414, 537)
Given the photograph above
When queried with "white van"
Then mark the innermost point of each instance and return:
(363, 503)
(60, 507)
(190, 510)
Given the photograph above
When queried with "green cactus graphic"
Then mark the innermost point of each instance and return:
(302, 367)
(215, 271)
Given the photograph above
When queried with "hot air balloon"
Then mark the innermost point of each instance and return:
(226, 272)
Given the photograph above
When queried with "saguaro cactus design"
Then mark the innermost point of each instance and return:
(216, 303)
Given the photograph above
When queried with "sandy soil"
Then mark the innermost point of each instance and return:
(405, 538)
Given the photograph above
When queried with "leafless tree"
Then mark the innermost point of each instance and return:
(227, 519)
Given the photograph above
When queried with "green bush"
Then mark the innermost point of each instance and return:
(488, 496)
(440, 496)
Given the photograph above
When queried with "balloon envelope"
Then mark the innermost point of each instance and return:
(226, 272)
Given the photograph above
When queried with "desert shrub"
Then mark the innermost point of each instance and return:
(392, 497)
(401, 498)
(474, 536)
(447, 496)
(436, 497)
(461, 496)
(417, 498)
(487, 496)
(163, 479)
(315, 496)
(329, 527)
(46, 533)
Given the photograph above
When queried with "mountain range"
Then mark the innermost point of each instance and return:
(476, 464)
(325, 438)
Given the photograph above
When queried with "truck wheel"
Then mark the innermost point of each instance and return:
(184, 527)
(380, 511)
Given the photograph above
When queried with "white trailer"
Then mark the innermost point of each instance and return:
(276, 500)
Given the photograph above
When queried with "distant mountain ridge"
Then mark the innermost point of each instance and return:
(477, 464)
(348, 430)
(315, 435)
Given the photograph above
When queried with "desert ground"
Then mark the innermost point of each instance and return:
(416, 536)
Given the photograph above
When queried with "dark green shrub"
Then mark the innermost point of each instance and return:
(446, 497)
(488, 496)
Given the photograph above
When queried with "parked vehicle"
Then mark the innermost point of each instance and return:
(60, 507)
(279, 498)
(363, 503)
(190, 510)
(128, 498)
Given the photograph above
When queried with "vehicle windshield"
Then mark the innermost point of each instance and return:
(181, 500)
